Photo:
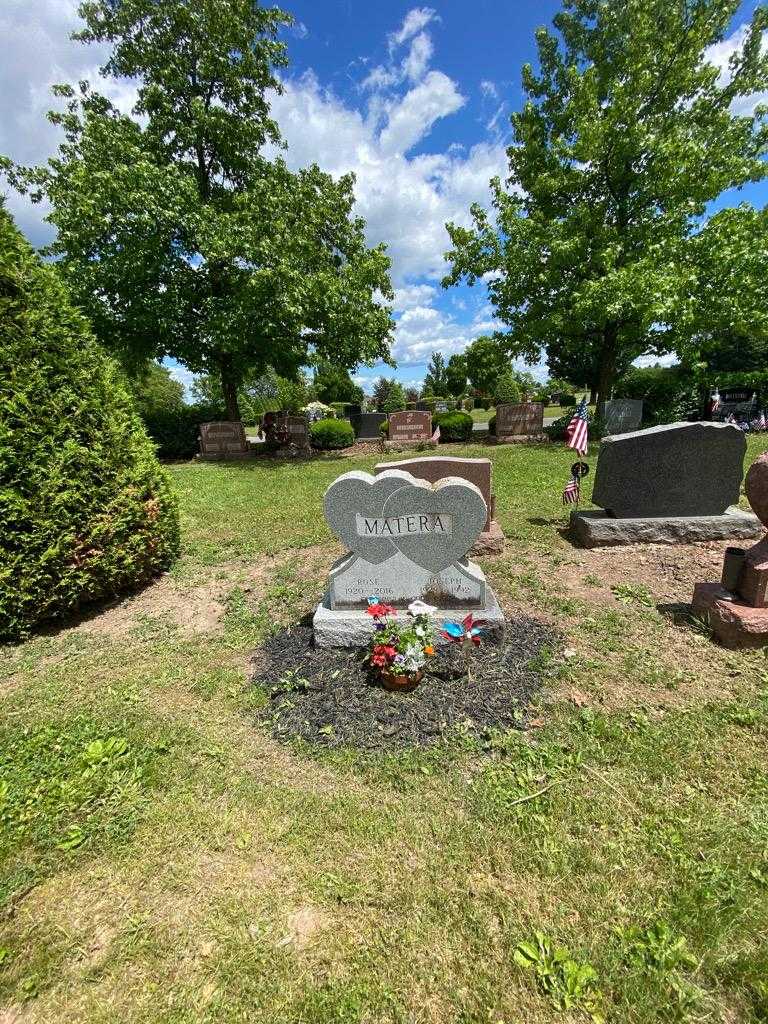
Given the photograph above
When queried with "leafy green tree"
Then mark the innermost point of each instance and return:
(436, 377)
(395, 399)
(456, 375)
(411, 394)
(507, 389)
(725, 317)
(485, 359)
(175, 234)
(381, 390)
(333, 384)
(153, 388)
(626, 134)
(86, 512)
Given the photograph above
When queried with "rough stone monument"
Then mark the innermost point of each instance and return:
(672, 484)
(223, 440)
(736, 609)
(411, 427)
(521, 422)
(479, 472)
(407, 539)
(621, 415)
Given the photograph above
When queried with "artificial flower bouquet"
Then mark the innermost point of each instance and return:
(399, 649)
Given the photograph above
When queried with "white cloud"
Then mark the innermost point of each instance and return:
(415, 20)
(413, 295)
(419, 56)
(412, 117)
(720, 55)
(489, 90)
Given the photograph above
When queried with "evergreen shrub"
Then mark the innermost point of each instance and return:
(330, 434)
(454, 426)
(86, 511)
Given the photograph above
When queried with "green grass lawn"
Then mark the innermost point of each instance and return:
(164, 860)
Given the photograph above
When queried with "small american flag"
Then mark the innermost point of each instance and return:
(762, 423)
(436, 435)
(572, 492)
(714, 403)
(577, 432)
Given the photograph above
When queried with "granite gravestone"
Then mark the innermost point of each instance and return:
(293, 430)
(225, 439)
(621, 415)
(366, 425)
(476, 471)
(407, 540)
(669, 484)
(525, 419)
(411, 425)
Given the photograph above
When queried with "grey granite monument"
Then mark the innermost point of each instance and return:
(407, 540)
(620, 415)
(671, 484)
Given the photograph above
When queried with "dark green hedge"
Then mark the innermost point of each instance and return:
(454, 426)
(669, 393)
(176, 431)
(85, 509)
(331, 434)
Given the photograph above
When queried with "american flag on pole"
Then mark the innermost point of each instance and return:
(714, 403)
(436, 435)
(572, 492)
(762, 423)
(577, 432)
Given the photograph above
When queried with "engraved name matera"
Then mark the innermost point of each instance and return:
(404, 526)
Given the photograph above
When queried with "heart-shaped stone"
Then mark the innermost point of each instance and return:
(357, 496)
(435, 525)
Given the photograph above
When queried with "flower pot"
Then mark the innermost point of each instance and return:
(393, 681)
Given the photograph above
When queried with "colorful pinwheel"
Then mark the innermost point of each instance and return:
(467, 633)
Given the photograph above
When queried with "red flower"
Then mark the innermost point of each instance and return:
(379, 610)
(382, 655)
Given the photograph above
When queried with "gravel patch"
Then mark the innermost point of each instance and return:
(329, 697)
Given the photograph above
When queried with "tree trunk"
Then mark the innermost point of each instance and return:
(607, 375)
(229, 388)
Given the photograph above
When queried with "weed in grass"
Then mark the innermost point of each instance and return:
(592, 580)
(629, 593)
(569, 984)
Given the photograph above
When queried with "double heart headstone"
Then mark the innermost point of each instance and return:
(408, 538)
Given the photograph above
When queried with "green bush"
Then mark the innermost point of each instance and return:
(454, 426)
(669, 393)
(507, 389)
(176, 431)
(85, 509)
(328, 434)
(566, 401)
(384, 428)
(482, 403)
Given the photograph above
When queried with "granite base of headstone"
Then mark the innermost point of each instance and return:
(736, 608)
(407, 540)
(476, 471)
(674, 484)
(515, 424)
(621, 415)
(223, 440)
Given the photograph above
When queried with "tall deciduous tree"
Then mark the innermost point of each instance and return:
(456, 375)
(626, 134)
(436, 377)
(175, 233)
(485, 360)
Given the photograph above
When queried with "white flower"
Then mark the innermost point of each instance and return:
(419, 607)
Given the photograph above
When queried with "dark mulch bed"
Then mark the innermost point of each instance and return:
(329, 697)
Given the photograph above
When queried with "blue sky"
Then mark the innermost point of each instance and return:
(414, 99)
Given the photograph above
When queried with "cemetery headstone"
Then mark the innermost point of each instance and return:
(423, 407)
(669, 484)
(478, 472)
(412, 425)
(407, 540)
(222, 440)
(525, 419)
(296, 429)
(366, 425)
(621, 415)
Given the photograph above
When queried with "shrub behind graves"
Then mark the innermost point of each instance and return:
(329, 434)
(669, 393)
(454, 426)
(507, 389)
(85, 509)
(566, 401)
(176, 431)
